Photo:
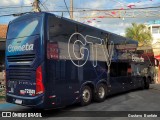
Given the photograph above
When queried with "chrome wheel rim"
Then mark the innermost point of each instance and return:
(86, 95)
(101, 92)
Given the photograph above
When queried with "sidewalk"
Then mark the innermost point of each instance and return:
(2, 90)
(155, 86)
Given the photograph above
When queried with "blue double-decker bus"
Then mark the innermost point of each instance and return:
(53, 62)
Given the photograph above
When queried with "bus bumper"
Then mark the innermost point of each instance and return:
(35, 102)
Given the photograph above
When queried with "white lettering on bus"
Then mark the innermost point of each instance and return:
(26, 47)
(107, 53)
(137, 59)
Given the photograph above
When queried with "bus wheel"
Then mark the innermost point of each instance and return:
(86, 95)
(146, 84)
(101, 93)
(142, 85)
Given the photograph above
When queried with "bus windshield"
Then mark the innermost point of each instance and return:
(25, 27)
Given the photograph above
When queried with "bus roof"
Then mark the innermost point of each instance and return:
(114, 37)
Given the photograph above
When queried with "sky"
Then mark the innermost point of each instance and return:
(97, 19)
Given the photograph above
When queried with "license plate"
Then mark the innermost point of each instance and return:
(18, 101)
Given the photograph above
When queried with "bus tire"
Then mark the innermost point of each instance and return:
(146, 84)
(149, 79)
(86, 96)
(101, 93)
(142, 84)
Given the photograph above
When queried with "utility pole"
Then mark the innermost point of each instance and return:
(71, 9)
(36, 7)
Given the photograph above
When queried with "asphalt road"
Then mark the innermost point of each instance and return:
(138, 100)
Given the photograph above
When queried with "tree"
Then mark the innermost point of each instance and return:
(140, 33)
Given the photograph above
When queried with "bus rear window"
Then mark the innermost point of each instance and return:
(26, 27)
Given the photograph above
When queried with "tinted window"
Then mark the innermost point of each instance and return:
(119, 69)
(122, 69)
(25, 27)
(113, 70)
(60, 30)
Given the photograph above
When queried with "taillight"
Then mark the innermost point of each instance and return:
(39, 83)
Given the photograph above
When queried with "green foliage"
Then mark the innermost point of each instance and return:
(140, 33)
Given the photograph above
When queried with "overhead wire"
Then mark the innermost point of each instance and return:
(44, 1)
(101, 10)
(43, 5)
(67, 8)
(86, 9)
(90, 10)
(13, 7)
(14, 14)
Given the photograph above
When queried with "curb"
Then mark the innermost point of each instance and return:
(155, 87)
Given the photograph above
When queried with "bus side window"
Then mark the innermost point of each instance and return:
(113, 70)
(122, 69)
(50, 28)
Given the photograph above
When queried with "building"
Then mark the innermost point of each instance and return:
(154, 27)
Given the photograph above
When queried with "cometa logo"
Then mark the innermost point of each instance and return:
(26, 47)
